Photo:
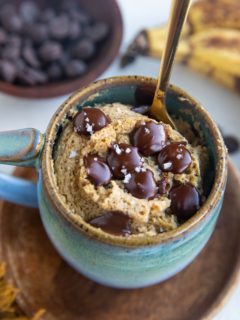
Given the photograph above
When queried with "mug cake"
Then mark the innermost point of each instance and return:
(126, 173)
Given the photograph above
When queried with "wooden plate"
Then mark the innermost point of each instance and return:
(46, 281)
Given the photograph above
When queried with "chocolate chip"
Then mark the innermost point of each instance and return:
(141, 110)
(84, 49)
(12, 23)
(7, 9)
(90, 120)
(3, 36)
(32, 77)
(79, 16)
(37, 32)
(114, 222)
(98, 171)
(28, 11)
(14, 41)
(47, 15)
(123, 159)
(185, 201)
(8, 70)
(142, 185)
(232, 143)
(54, 71)
(75, 68)
(149, 137)
(59, 27)
(50, 51)
(29, 55)
(174, 158)
(74, 30)
(10, 52)
(97, 32)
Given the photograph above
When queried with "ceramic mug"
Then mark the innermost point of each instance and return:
(121, 262)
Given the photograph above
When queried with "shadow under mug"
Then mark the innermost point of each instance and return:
(122, 262)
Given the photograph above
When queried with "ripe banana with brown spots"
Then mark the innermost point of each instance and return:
(210, 42)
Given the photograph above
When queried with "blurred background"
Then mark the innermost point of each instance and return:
(42, 73)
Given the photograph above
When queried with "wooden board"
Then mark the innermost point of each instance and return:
(46, 281)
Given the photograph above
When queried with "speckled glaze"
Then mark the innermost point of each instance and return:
(134, 261)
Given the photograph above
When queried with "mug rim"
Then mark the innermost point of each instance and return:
(49, 179)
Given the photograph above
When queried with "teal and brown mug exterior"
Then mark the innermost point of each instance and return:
(122, 262)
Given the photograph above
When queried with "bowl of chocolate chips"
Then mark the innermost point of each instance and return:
(51, 48)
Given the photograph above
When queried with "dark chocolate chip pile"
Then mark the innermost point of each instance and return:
(39, 46)
(125, 162)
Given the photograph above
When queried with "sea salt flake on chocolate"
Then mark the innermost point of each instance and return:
(147, 130)
(140, 169)
(128, 150)
(127, 178)
(179, 156)
(89, 128)
(117, 149)
(87, 119)
(73, 154)
(167, 165)
(124, 171)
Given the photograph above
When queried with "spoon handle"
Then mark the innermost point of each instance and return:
(179, 11)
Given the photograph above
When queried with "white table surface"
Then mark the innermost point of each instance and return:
(222, 104)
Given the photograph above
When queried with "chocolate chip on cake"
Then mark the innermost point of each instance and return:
(185, 201)
(123, 159)
(89, 121)
(142, 185)
(174, 158)
(149, 137)
(114, 222)
(98, 171)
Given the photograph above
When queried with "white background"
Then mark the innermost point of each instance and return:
(222, 104)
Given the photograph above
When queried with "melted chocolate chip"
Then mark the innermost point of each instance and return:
(115, 222)
(142, 185)
(123, 159)
(90, 120)
(185, 201)
(163, 186)
(97, 170)
(174, 158)
(149, 137)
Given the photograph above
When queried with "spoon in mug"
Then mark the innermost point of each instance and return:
(179, 10)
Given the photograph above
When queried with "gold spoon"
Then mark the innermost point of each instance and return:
(179, 10)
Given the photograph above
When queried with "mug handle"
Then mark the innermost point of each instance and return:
(20, 148)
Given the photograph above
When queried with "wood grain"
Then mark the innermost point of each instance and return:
(46, 281)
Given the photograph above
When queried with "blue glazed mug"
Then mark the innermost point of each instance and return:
(122, 262)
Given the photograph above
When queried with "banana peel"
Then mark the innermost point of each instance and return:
(206, 14)
(210, 42)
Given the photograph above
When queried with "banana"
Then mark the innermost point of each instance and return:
(226, 79)
(156, 37)
(210, 42)
(219, 48)
(205, 14)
